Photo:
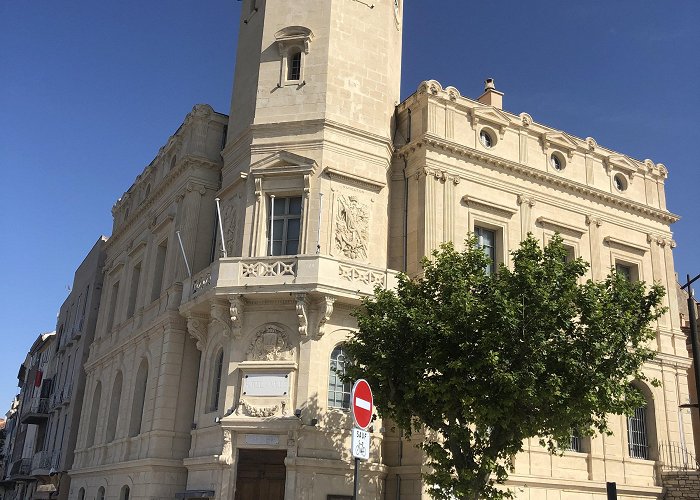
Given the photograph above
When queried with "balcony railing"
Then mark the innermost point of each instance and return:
(677, 457)
(301, 273)
(43, 461)
(61, 397)
(36, 411)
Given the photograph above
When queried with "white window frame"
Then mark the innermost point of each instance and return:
(291, 40)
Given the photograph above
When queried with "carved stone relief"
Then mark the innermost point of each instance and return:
(302, 314)
(219, 318)
(197, 328)
(326, 310)
(270, 344)
(246, 409)
(352, 227)
(226, 456)
(235, 310)
(229, 219)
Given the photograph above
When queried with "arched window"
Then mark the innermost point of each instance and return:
(94, 410)
(217, 372)
(294, 65)
(81, 494)
(637, 433)
(338, 391)
(641, 427)
(124, 494)
(137, 406)
(173, 161)
(114, 407)
(101, 493)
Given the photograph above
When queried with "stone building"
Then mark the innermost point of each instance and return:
(214, 375)
(27, 423)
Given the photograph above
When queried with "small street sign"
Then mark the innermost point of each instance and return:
(360, 444)
(362, 404)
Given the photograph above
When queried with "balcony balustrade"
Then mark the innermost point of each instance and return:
(297, 274)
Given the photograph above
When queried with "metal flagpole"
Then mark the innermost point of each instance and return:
(221, 228)
(272, 219)
(182, 248)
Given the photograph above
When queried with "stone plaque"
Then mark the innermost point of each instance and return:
(262, 439)
(266, 384)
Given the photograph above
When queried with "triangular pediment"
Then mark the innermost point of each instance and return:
(561, 139)
(283, 162)
(623, 163)
(491, 115)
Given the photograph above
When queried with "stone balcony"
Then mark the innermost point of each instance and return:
(345, 280)
(36, 411)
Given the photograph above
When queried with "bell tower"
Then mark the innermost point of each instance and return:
(315, 88)
(337, 60)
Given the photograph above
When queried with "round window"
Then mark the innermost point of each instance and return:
(486, 139)
(557, 161)
(620, 182)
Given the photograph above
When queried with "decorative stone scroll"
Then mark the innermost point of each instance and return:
(235, 310)
(325, 314)
(302, 315)
(270, 344)
(197, 328)
(352, 227)
(218, 317)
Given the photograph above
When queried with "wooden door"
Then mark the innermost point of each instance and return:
(261, 475)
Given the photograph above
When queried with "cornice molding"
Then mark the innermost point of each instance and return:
(545, 221)
(354, 180)
(430, 140)
(432, 90)
(611, 240)
(472, 200)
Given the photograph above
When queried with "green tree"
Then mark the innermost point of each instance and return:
(476, 363)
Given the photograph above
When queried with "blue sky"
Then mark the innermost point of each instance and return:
(89, 91)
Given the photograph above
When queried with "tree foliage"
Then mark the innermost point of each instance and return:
(476, 363)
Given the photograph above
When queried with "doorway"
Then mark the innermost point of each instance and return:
(261, 475)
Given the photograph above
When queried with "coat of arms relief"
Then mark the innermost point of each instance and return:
(270, 344)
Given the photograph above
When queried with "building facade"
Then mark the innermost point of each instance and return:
(213, 373)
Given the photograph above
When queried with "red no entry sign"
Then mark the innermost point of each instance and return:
(362, 404)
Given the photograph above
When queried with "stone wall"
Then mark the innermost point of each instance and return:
(681, 484)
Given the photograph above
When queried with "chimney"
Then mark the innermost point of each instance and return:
(491, 96)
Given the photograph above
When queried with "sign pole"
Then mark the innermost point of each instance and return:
(362, 404)
(356, 479)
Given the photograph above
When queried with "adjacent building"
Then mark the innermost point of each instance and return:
(42, 425)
